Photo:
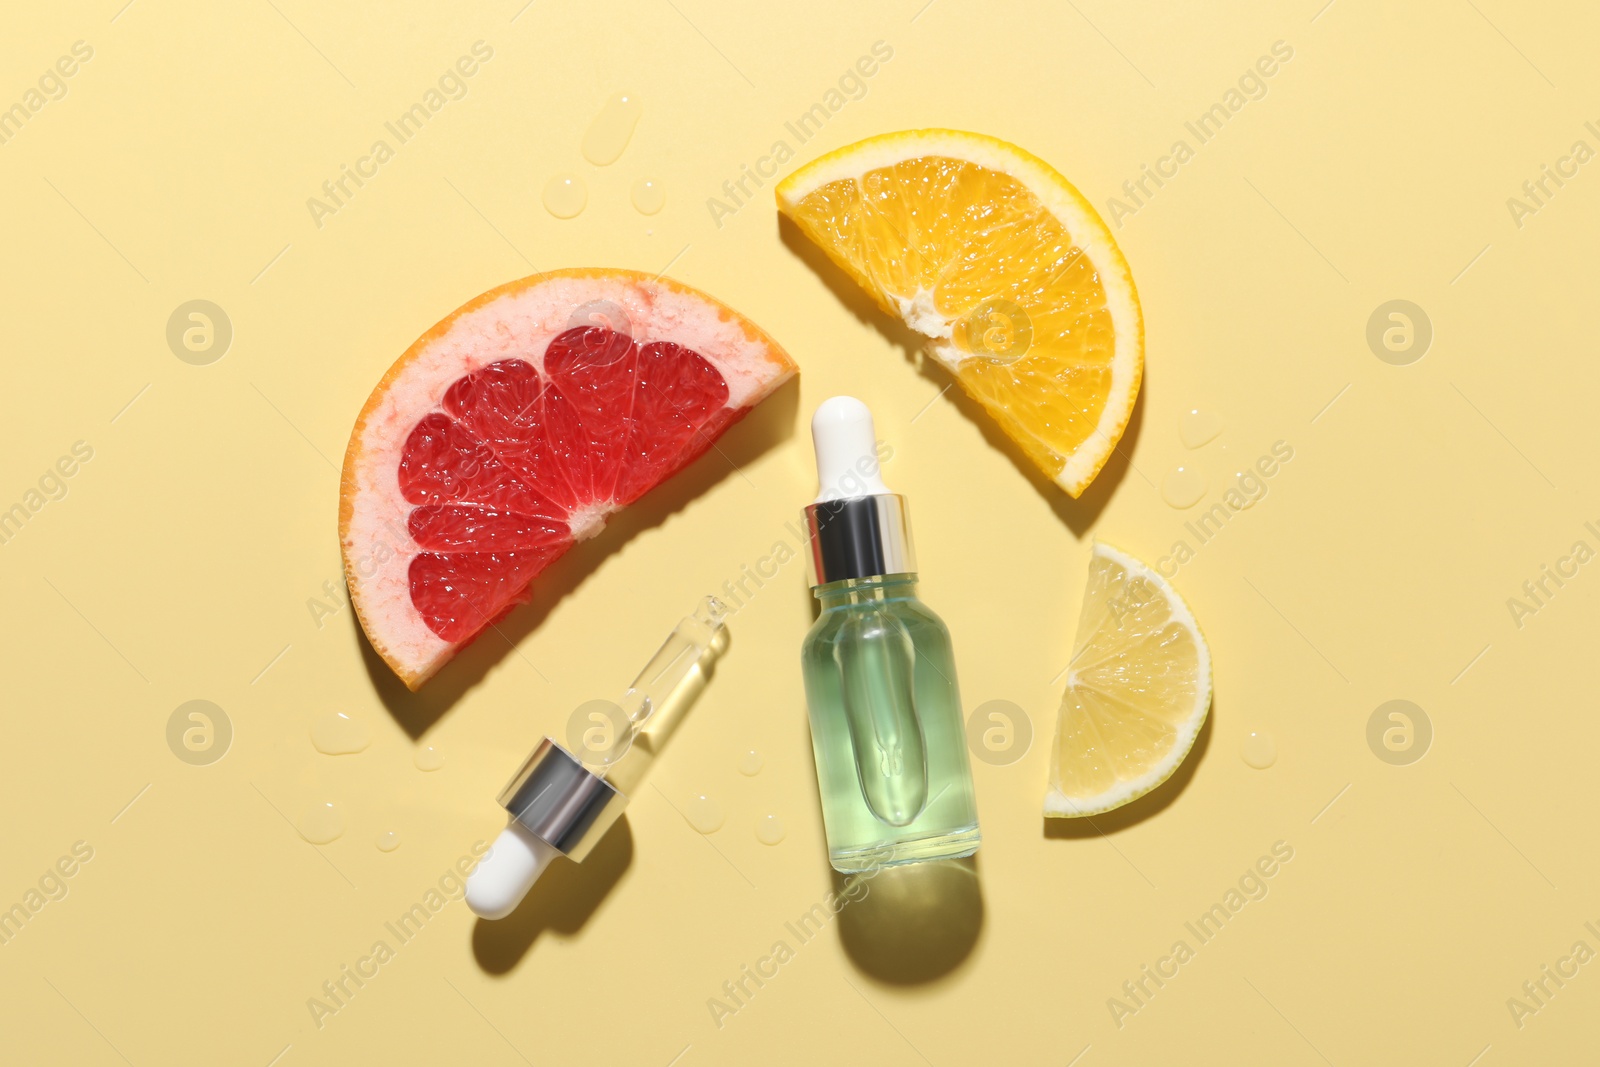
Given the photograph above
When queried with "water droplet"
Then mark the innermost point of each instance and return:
(1199, 427)
(565, 196)
(648, 196)
(337, 734)
(1242, 480)
(612, 128)
(1183, 487)
(321, 822)
(1259, 750)
(428, 758)
(704, 814)
(750, 764)
(387, 841)
(770, 830)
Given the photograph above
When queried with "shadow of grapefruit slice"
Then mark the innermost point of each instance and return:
(514, 428)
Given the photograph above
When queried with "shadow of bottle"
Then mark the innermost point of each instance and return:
(913, 923)
(564, 898)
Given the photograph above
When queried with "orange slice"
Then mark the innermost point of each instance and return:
(1004, 267)
(513, 428)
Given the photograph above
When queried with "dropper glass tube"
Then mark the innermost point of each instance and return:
(561, 804)
(656, 702)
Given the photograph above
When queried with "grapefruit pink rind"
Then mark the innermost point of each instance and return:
(516, 321)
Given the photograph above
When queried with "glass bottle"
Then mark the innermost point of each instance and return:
(880, 677)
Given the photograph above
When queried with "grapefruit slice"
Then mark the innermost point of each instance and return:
(512, 429)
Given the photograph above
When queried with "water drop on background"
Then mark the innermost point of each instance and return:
(770, 830)
(565, 196)
(337, 734)
(1199, 427)
(704, 814)
(428, 758)
(321, 822)
(610, 131)
(1183, 487)
(750, 764)
(1259, 750)
(648, 196)
(388, 841)
(1244, 478)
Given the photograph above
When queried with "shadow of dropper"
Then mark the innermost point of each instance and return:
(562, 901)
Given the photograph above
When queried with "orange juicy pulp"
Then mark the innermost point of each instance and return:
(983, 245)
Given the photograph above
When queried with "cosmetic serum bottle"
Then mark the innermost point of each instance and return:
(561, 805)
(880, 678)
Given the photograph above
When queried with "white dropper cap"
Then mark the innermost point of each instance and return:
(508, 871)
(847, 455)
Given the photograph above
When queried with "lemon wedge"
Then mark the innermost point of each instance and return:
(1138, 690)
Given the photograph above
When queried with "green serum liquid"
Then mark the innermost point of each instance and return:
(886, 727)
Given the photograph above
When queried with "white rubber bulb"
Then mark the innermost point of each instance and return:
(847, 455)
(508, 871)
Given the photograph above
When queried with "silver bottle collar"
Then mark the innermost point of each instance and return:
(858, 537)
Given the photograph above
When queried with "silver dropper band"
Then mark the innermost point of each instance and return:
(858, 537)
(561, 801)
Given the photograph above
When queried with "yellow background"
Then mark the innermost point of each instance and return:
(180, 562)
